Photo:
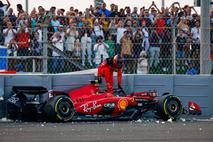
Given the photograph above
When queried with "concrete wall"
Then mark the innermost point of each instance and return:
(195, 88)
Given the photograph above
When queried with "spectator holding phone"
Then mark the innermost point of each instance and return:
(101, 51)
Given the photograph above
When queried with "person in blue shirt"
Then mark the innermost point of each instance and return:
(104, 10)
(191, 69)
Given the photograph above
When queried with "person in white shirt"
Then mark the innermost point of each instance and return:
(77, 51)
(57, 61)
(86, 44)
(142, 67)
(98, 29)
(145, 43)
(22, 21)
(100, 49)
(195, 31)
(120, 33)
(195, 34)
(71, 34)
(39, 31)
(9, 33)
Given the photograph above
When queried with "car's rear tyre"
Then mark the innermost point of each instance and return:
(169, 107)
(59, 109)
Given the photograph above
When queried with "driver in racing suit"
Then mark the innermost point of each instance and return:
(106, 69)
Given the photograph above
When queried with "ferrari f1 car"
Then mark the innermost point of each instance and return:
(88, 102)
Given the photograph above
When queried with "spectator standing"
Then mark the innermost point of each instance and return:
(126, 52)
(183, 25)
(36, 50)
(105, 24)
(145, 43)
(23, 39)
(137, 47)
(181, 41)
(111, 45)
(20, 9)
(154, 48)
(4, 8)
(195, 34)
(35, 44)
(154, 12)
(71, 35)
(166, 43)
(55, 23)
(53, 11)
(11, 16)
(160, 24)
(61, 18)
(104, 10)
(101, 51)
(86, 45)
(120, 33)
(22, 22)
(181, 45)
(33, 20)
(41, 15)
(114, 10)
(191, 69)
(77, 51)
(12, 49)
(57, 61)
(142, 67)
(112, 28)
(135, 13)
(9, 33)
(145, 19)
(98, 29)
(166, 50)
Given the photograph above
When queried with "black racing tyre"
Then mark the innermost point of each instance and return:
(169, 107)
(59, 109)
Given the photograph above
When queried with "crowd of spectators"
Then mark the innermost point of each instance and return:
(90, 36)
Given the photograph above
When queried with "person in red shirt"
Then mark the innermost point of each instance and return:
(160, 24)
(106, 70)
(23, 38)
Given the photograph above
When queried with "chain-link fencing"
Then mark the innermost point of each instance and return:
(163, 45)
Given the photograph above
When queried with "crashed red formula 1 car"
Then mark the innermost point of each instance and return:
(88, 102)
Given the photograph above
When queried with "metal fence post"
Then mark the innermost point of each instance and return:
(163, 3)
(205, 63)
(45, 42)
(174, 46)
(27, 5)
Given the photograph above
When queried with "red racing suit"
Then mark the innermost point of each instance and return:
(105, 70)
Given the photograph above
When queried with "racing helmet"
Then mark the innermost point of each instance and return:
(118, 61)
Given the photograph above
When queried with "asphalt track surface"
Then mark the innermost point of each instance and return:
(107, 132)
